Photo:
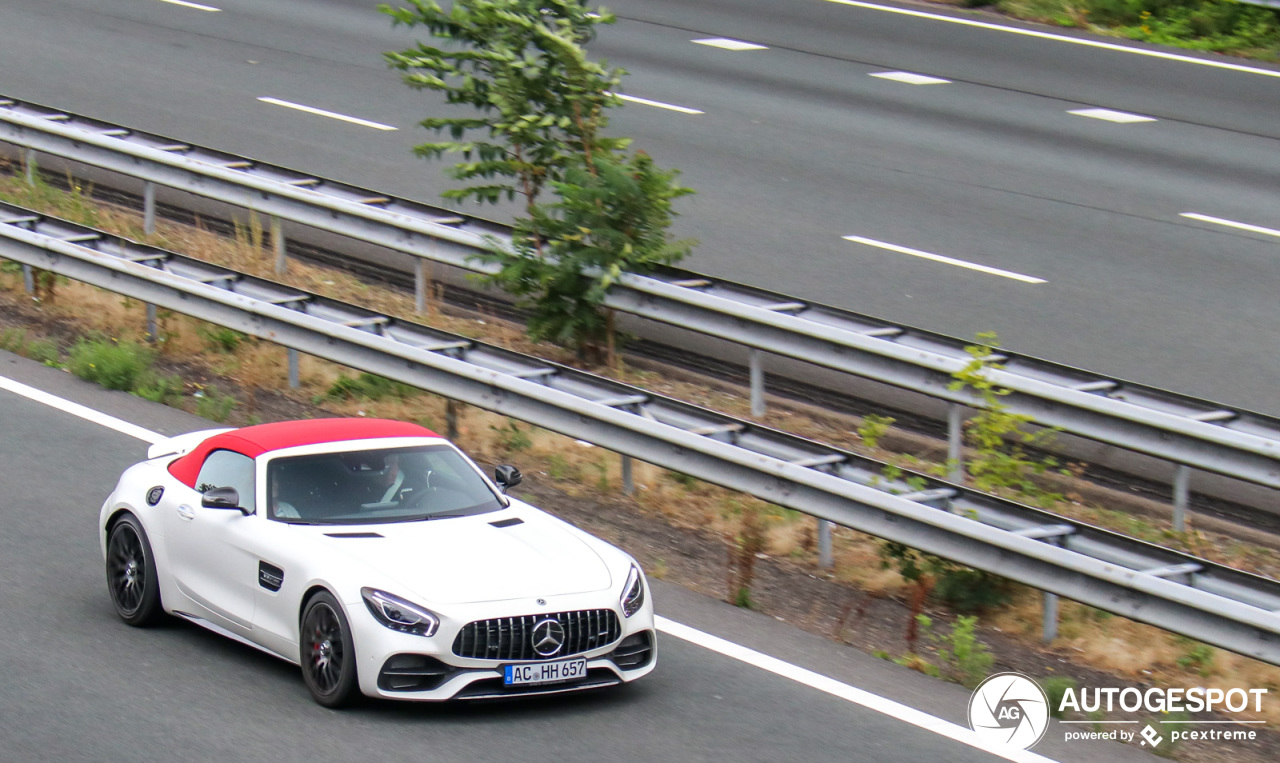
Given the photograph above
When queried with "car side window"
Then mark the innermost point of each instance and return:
(225, 468)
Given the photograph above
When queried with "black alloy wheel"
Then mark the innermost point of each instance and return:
(328, 654)
(131, 573)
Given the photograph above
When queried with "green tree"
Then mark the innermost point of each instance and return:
(612, 217)
(1000, 438)
(522, 65)
(543, 111)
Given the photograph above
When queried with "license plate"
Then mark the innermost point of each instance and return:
(544, 672)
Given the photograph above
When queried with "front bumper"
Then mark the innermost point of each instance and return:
(403, 666)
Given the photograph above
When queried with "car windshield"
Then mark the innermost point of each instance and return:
(366, 486)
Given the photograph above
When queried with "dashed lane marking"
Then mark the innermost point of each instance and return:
(911, 79)
(948, 260)
(324, 113)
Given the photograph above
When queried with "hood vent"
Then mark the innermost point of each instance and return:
(353, 535)
(508, 522)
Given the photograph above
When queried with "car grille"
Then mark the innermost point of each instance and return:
(511, 638)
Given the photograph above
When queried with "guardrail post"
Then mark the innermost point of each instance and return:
(29, 159)
(28, 279)
(149, 208)
(294, 381)
(757, 384)
(151, 323)
(1049, 629)
(628, 480)
(955, 443)
(451, 419)
(1181, 496)
(825, 560)
(277, 238)
(420, 284)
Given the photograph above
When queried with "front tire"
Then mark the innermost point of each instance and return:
(328, 654)
(131, 573)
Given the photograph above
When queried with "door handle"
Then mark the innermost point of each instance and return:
(186, 512)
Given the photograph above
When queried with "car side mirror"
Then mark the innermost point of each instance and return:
(222, 498)
(507, 477)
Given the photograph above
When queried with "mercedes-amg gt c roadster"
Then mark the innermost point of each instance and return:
(378, 557)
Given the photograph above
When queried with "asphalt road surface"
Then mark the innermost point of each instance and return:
(1076, 223)
(79, 685)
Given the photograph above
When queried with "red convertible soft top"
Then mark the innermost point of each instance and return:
(256, 440)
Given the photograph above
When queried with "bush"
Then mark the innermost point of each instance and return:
(1199, 658)
(1221, 26)
(873, 428)
(966, 657)
(368, 386)
(13, 340)
(43, 351)
(511, 437)
(1056, 688)
(114, 365)
(212, 404)
(969, 591)
(221, 338)
(159, 389)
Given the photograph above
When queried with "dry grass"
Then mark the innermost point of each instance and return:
(1100, 640)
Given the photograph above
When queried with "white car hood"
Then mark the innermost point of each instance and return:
(467, 559)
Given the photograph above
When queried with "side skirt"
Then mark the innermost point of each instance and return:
(218, 629)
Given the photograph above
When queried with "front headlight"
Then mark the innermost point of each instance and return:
(398, 614)
(633, 592)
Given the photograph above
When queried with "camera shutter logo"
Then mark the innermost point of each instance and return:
(1011, 709)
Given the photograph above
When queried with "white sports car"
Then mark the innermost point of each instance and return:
(378, 557)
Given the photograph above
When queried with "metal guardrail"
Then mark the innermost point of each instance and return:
(1188, 431)
(1197, 598)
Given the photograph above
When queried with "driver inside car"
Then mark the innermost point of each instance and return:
(389, 483)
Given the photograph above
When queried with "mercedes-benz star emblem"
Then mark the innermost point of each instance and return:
(548, 637)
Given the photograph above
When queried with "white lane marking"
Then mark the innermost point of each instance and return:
(670, 627)
(84, 412)
(1111, 116)
(947, 260)
(197, 6)
(911, 79)
(659, 104)
(323, 113)
(1061, 38)
(844, 691)
(727, 44)
(1230, 223)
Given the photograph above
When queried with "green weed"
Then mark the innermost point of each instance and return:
(113, 364)
(873, 428)
(159, 389)
(1055, 687)
(511, 437)
(967, 659)
(368, 386)
(213, 405)
(221, 338)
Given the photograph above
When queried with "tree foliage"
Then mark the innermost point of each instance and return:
(522, 65)
(542, 107)
(999, 438)
(612, 216)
